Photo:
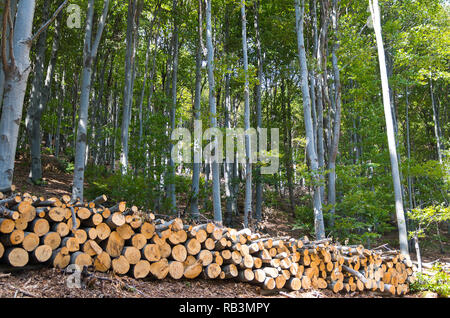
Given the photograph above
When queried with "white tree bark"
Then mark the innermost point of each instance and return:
(403, 238)
(16, 71)
(337, 116)
(248, 150)
(89, 54)
(311, 152)
(128, 87)
(212, 107)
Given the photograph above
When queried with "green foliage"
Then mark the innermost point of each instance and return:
(438, 282)
(304, 219)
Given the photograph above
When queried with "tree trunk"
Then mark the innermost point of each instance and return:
(90, 52)
(312, 155)
(259, 186)
(212, 106)
(337, 117)
(16, 75)
(248, 165)
(403, 238)
(34, 114)
(128, 90)
(171, 185)
(197, 112)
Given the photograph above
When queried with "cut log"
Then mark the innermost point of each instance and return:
(201, 235)
(41, 254)
(194, 270)
(59, 259)
(148, 230)
(280, 281)
(141, 269)
(14, 238)
(260, 276)
(212, 271)
(205, 256)
(177, 237)
(230, 271)
(179, 253)
(246, 275)
(176, 269)
(102, 262)
(26, 210)
(247, 262)
(103, 231)
(2, 250)
(294, 283)
(151, 252)
(269, 283)
(91, 233)
(98, 200)
(208, 244)
(175, 225)
(30, 241)
(119, 207)
(80, 235)
(114, 244)
(120, 265)
(88, 249)
(56, 214)
(132, 254)
(160, 269)
(20, 224)
(84, 214)
(61, 228)
(115, 220)
(6, 226)
(125, 231)
(74, 225)
(16, 256)
(71, 243)
(94, 220)
(138, 240)
(209, 227)
(52, 239)
(8, 214)
(193, 246)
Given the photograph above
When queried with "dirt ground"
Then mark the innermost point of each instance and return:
(43, 282)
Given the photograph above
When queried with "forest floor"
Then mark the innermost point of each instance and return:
(51, 282)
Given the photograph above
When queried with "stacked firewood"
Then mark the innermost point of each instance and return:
(123, 240)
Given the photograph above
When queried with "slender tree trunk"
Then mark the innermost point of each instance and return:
(172, 194)
(312, 155)
(437, 128)
(228, 166)
(212, 106)
(337, 117)
(128, 87)
(258, 186)
(60, 112)
(34, 114)
(197, 113)
(90, 52)
(248, 150)
(403, 238)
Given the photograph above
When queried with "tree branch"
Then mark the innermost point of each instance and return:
(46, 24)
(101, 25)
(5, 26)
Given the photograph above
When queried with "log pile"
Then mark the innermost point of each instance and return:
(126, 241)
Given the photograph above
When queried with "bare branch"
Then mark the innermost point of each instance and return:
(46, 24)
(5, 26)
(11, 38)
(101, 25)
